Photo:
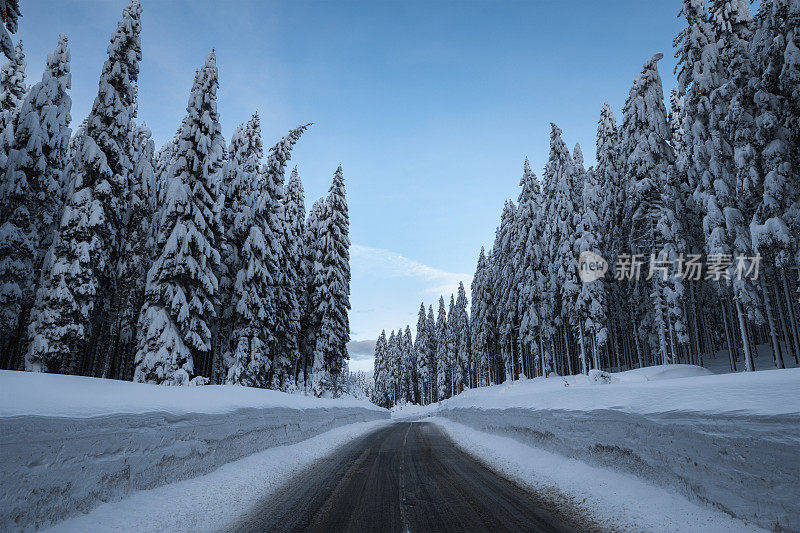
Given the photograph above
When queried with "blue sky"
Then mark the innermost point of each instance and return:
(430, 107)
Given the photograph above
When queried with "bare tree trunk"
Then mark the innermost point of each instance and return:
(777, 355)
(728, 335)
(792, 316)
(748, 358)
(584, 369)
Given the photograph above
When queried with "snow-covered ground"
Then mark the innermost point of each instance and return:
(215, 501)
(730, 442)
(69, 443)
(618, 500)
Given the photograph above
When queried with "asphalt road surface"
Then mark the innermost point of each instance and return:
(407, 476)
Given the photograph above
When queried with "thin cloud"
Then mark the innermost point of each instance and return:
(392, 264)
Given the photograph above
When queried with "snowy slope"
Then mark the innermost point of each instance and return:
(727, 441)
(68, 443)
(656, 389)
(28, 393)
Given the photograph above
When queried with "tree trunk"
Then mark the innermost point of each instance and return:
(748, 358)
(777, 354)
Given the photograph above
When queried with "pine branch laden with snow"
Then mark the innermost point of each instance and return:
(9, 16)
(182, 284)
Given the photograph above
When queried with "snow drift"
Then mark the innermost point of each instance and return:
(730, 441)
(68, 443)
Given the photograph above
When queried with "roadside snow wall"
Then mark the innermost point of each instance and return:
(736, 448)
(69, 443)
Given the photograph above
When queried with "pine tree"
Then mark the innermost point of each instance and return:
(334, 285)
(430, 325)
(421, 348)
(590, 306)
(12, 88)
(9, 16)
(31, 193)
(525, 265)
(462, 339)
(564, 180)
(381, 374)
(649, 158)
(82, 283)
(138, 249)
(284, 307)
(182, 286)
(294, 228)
(480, 320)
(408, 365)
(311, 317)
(242, 176)
(441, 353)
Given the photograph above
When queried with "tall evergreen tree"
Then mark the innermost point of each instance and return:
(334, 285)
(82, 282)
(31, 193)
(284, 306)
(182, 286)
(242, 180)
(310, 318)
(441, 353)
(294, 228)
(138, 252)
(421, 347)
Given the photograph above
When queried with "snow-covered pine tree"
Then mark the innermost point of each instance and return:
(182, 286)
(381, 373)
(334, 273)
(421, 345)
(480, 303)
(138, 252)
(463, 344)
(430, 324)
(294, 228)
(76, 308)
(562, 175)
(503, 289)
(775, 225)
(263, 337)
(409, 365)
(310, 318)
(441, 353)
(12, 88)
(37, 153)
(285, 307)
(452, 348)
(590, 306)
(241, 178)
(9, 15)
(393, 369)
(526, 263)
(649, 158)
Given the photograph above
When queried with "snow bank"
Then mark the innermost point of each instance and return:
(68, 443)
(730, 441)
(28, 393)
(656, 389)
(619, 501)
(218, 500)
